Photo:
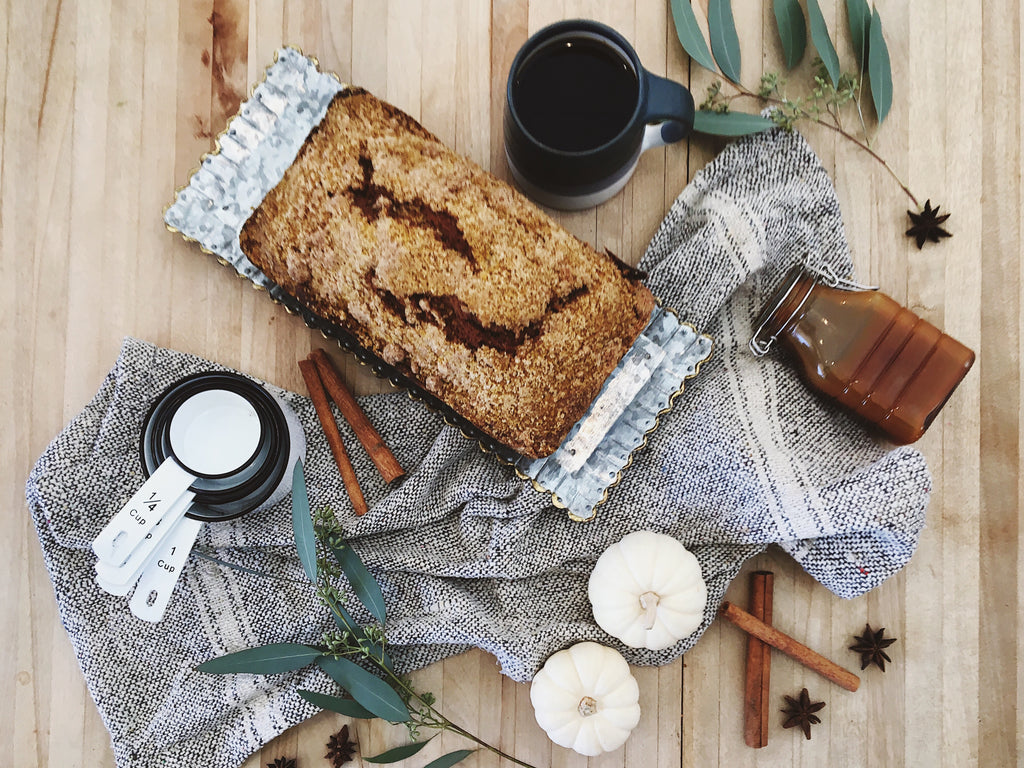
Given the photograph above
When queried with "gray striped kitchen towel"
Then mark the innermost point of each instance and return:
(467, 553)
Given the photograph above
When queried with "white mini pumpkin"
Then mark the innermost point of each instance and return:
(647, 590)
(586, 699)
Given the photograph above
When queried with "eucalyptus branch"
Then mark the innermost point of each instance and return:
(831, 90)
(837, 127)
(427, 716)
(352, 655)
(868, 148)
(440, 722)
(369, 642)
(788, 111)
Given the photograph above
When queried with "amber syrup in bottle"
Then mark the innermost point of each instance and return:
(864, 350)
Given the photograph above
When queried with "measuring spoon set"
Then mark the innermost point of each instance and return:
(214, 446)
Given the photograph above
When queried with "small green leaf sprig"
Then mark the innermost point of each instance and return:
(354, 656)
(833, 88)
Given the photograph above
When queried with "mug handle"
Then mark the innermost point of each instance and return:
(669, 114)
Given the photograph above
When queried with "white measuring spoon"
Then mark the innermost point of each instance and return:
(214, 433)
(119, 580)
(140, 516)
(153, 592)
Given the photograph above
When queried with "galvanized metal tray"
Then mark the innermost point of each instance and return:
(252, 154)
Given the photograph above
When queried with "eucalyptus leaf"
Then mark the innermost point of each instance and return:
(725, 44)
(347, 707)
(366, 688)
(730, 123)
(445, 761)
(859, 14)
(398, 753)
(690, 36)
(264, 660)
(302, 523)
(822, 42)
(789, 19)
(363, 584)
(879, 69)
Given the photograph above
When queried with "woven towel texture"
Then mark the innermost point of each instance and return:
(467, 554)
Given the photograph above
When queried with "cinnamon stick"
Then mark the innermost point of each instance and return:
(330, 427)
(792, 648)
(759, 664)
(374, 444)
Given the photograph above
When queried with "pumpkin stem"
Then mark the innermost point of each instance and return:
(649, 602)
(587, 707)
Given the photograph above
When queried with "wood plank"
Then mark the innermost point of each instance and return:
(528, 741)
(509, 19)
(678, 170)
(404, 56)
(700, 711)
(643, 747)
(335, 49)
(303, 27)
(1018, 629)
(90, 345)
(543, 13)
(1000, 316)
(158, 249)
(924, 702)
(960, 472)
(460, 701)
(439, 103)
(642, 200)
(473, 81)
(611, 231)
(670, 714)
(370, 37)
(885, 606)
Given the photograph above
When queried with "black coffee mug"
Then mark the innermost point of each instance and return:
(580, 109)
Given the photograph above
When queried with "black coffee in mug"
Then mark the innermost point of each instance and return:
(575, 93)
(580, 109)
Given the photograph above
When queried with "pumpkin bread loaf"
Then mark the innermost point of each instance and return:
(446, 273)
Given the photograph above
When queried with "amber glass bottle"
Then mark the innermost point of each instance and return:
(864, 350)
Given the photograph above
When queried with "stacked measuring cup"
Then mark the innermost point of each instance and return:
(214, 446)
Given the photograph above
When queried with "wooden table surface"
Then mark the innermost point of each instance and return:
(108, 104)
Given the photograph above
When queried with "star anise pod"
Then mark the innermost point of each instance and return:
(800, 711)
(927, 225)
(282, 762)
(871, 647)
(340, 749)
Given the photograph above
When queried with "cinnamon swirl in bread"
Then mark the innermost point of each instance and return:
(446, 273)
